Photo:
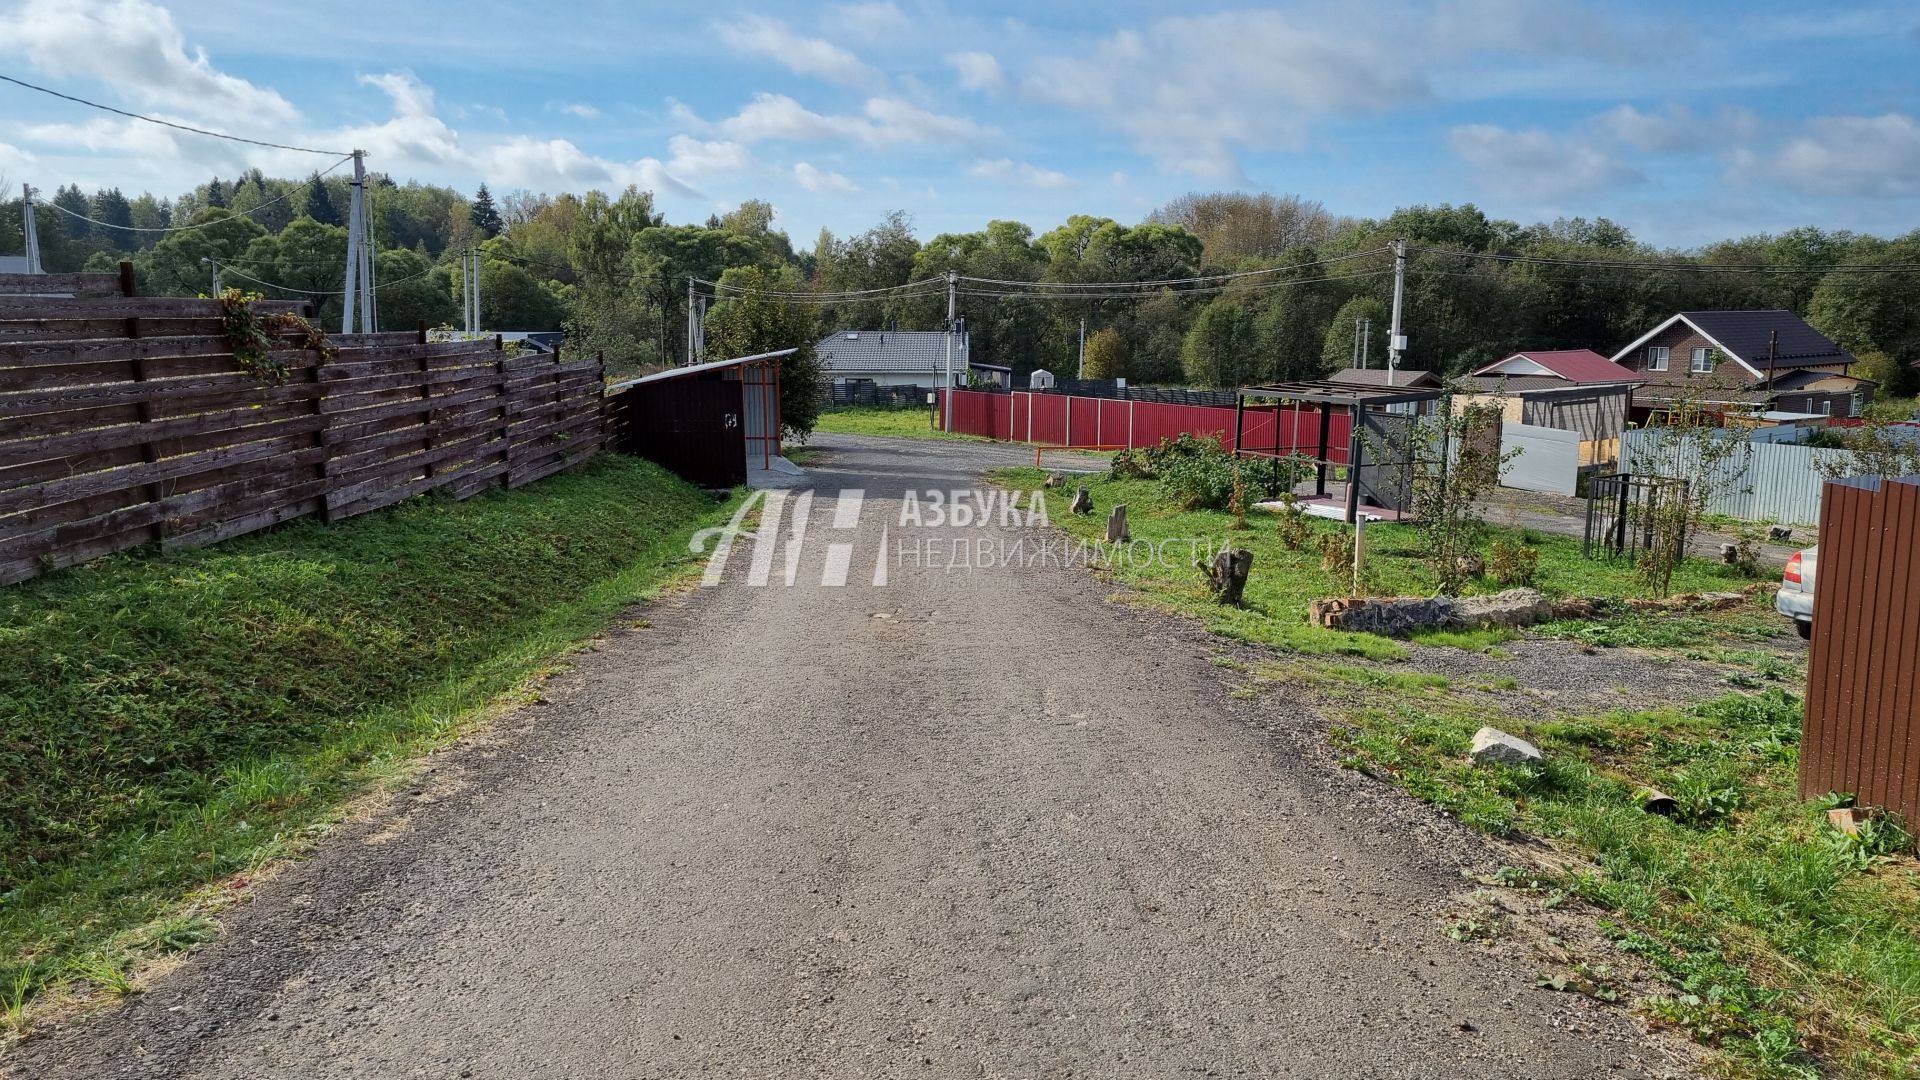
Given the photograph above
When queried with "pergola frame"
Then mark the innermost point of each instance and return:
(1356, 400)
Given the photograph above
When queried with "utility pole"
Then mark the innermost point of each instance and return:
(1081, 373)
(216, 276)
(31, 230)
(689, 320)
(1366, 341)
(1396, 340)
(477, 328)
(1354, 361)
(946, 391)
(356, 237)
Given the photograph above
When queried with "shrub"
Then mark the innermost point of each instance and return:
(1130, 465)
(1513, 564)
(1293, 528)
(1194, 470)
(1336, 554)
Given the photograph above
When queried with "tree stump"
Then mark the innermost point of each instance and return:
(1117, 525)
(1227, 577)
(1082, 502)
(1055, 479)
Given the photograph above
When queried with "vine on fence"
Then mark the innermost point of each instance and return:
(252, 336)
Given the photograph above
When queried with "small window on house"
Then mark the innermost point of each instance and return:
(1657, 357)
(1854, 405)
(1702, 361)
(1826, 406)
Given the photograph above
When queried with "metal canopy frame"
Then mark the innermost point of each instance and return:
(1358, 401)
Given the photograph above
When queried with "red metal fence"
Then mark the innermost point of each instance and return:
(1065, 420)
(1863, 676)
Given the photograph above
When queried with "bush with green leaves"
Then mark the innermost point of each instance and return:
(1513, 565)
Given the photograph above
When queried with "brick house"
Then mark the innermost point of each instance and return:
(1743, 362)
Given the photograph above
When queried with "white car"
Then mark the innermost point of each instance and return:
(1795, 598)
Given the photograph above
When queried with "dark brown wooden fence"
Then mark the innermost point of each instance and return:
(125, 421)
(1863, 688)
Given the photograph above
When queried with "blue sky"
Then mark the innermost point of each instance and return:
(1687, 123)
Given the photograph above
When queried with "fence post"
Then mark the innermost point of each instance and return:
(506, 413)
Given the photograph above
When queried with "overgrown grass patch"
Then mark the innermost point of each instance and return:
(1286, 579)
(1789, 944)
(913, 422)
(176, 720)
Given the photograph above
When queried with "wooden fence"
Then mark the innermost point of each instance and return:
(126, 421)
(1863, 675)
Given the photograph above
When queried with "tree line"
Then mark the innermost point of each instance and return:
(612, 272)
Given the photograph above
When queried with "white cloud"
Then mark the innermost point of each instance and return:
(1192, 91)
(574, 108)
(822, 181)
(108, 135)
(758, 35)
(1678, 129)
(134, 46)
(14, 161)
(1022, 173)
(1536, 165)
(696, 157)
(885, 122)
(977, 70)
(1855, 156)
(870, 21)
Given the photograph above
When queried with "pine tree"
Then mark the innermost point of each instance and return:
(111, 208)
(319, 205)
(486, 219)
(216, 193)
(71, 199)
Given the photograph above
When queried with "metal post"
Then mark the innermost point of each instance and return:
(30, 228)
(946, 392)
(1396, 341)
(355, 223)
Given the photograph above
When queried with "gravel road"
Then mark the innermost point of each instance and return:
(965, 824)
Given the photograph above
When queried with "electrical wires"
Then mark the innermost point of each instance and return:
(283, 197)
(1678, 268)
(168, 123)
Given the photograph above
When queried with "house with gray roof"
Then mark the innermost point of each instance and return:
(891, 357)
(1743, 362)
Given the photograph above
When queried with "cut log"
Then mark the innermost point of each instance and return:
(1082, 502)
(1117, 525)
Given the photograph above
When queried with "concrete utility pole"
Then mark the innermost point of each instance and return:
(1081, 373)
(477, 328)
(1397, 341)
(30, 228)
(689, 320)
(356, 236)
(946, 392)
(216, 276)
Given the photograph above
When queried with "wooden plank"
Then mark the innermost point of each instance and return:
(67, 399)
(356, 485)
(431, 377)
(473, 475)
(48, 515)
(254, 522)
(78, 487)
(149, 346)
(104, 438)
(81, 284)
(182, 512)
(129, 307)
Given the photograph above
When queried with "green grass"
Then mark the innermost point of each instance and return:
(874, 420)
(1788, 944)
(181, 719)
(1285, 581)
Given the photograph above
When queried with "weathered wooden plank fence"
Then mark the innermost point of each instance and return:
(126, 421)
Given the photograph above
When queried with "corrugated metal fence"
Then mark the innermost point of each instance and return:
(1765, 482)
(1068, 420)
(1862, 685)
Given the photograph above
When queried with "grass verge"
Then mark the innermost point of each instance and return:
(874, 420)
(1791, 946)
(182, 719)
(1286, 579)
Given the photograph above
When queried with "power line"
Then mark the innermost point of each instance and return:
(801, 294)
(167, 123)
(1206, 291)
(1164, 282)
(316, 292)
(1681, 268)
(288, 194)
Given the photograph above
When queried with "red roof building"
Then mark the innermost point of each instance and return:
(1568, 365)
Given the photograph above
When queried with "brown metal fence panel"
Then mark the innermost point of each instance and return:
(147, 431)
(1861, 684)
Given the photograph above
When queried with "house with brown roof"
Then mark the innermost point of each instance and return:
(1575, 390)
(1743, 362)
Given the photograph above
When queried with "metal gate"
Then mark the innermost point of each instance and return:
(692, 426)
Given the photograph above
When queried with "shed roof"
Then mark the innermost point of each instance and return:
(1325, 392)
(700, 369)
(1395, 377)
(1540, 384)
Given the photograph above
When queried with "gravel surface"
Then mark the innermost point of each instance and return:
(976, 824)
